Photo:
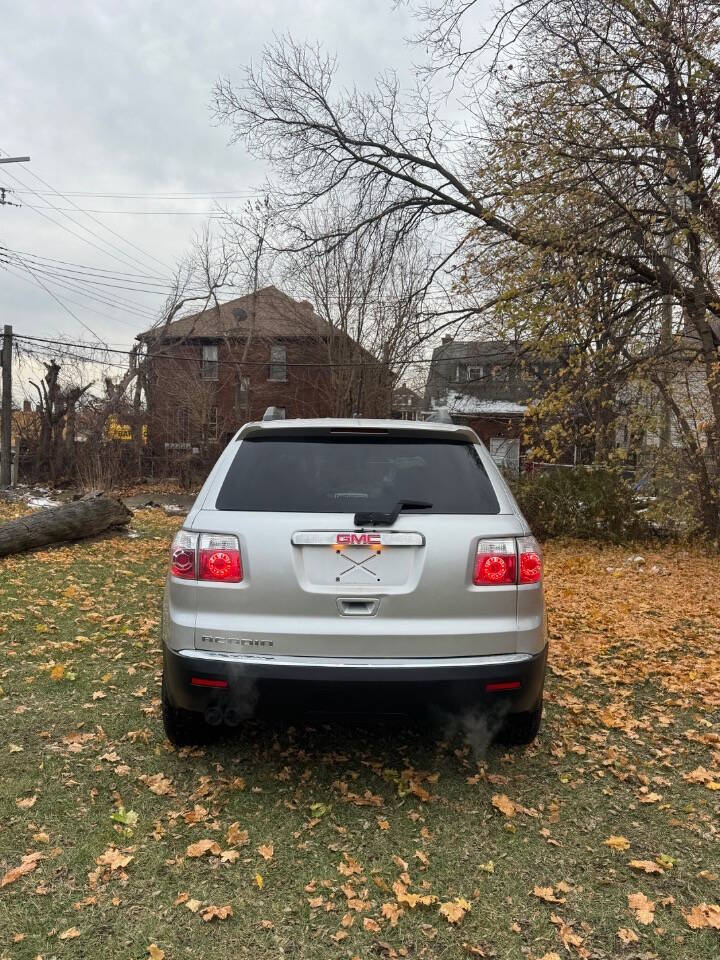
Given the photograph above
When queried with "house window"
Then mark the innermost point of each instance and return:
(475, 373)
(210, 361)
(243, 396)
(278, 363)
(212, 423)
(460, 372)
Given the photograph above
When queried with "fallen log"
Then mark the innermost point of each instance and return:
(72, 521)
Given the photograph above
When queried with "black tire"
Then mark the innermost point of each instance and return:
(183, 727)
(521, 728)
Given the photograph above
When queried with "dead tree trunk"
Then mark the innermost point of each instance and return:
(71, 521)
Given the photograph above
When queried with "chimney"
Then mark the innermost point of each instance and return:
(27, 406)
(447, 339)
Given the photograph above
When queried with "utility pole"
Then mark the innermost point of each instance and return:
(6, 411)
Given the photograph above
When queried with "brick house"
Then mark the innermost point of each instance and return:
(406, 404)
(486, 385)
(213, 371)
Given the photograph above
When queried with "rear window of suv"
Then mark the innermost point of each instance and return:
(344, 474)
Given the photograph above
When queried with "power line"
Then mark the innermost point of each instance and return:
(233, 363)
(82, 266)
(110, 300)
(178, 195)
(76, 303)
(141, 318)
(94, 219)
(120, 255)
(81, 277)
(66, 308)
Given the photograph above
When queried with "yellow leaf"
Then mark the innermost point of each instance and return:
(259, 881)
(617, 842)
(455, 910)
(504, 804)
(155, 953)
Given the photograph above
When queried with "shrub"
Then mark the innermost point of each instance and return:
(580, 502)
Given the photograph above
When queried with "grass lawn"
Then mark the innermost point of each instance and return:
(343, 841)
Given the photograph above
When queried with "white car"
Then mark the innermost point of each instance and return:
(327, 557)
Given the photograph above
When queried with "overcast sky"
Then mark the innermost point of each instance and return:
(113, 98)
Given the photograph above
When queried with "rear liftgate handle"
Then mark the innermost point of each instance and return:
(357, 606)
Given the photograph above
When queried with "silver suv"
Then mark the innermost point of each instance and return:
(328, 556)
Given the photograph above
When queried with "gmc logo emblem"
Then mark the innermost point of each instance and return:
(359, 539)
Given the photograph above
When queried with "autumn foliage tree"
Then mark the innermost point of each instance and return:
(581, 186)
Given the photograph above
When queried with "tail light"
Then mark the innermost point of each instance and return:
(530, 566)
(182, 555)
(207, 556)
(495, 563)
(507, 561)
(219, 558)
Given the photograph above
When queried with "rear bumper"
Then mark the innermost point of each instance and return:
(516, 678)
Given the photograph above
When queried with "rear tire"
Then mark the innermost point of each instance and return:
(183, 727)
(521, 728)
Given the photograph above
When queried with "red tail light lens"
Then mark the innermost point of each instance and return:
(219, 559)
(182, 555)
(531, 567)
(495, 563)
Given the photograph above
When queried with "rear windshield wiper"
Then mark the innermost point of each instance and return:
(387, 519)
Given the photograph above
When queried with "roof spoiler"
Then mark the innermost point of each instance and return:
(274, 413)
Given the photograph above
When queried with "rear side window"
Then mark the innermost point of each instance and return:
(330, 474)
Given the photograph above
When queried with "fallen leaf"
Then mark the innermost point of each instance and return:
(158, 783)
(391, 912)
(646, 866)
(627, 935)
(547, 894)
(25, 803)
(69, 934)
(113, 859)
(155, 953)
(202, 847)
(643, 908)
(617, 842)
(454, 910)
(266, 851)
(217, 913)
(237, 837)
(703, 915)
(259, 881)
(371, 925)
(504, 804)
(28, 863)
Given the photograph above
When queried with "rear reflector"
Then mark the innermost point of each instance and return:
(207, 682)
(501, 686)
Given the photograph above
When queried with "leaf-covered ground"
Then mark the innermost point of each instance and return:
(347, 840)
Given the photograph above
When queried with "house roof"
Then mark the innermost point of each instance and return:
(466, 405)
(269, 313)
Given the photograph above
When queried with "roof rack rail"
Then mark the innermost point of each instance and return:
(274, 413)
(440, 415)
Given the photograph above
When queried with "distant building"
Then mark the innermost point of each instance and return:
(211, 372)
(488, 385)
(406, 404)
